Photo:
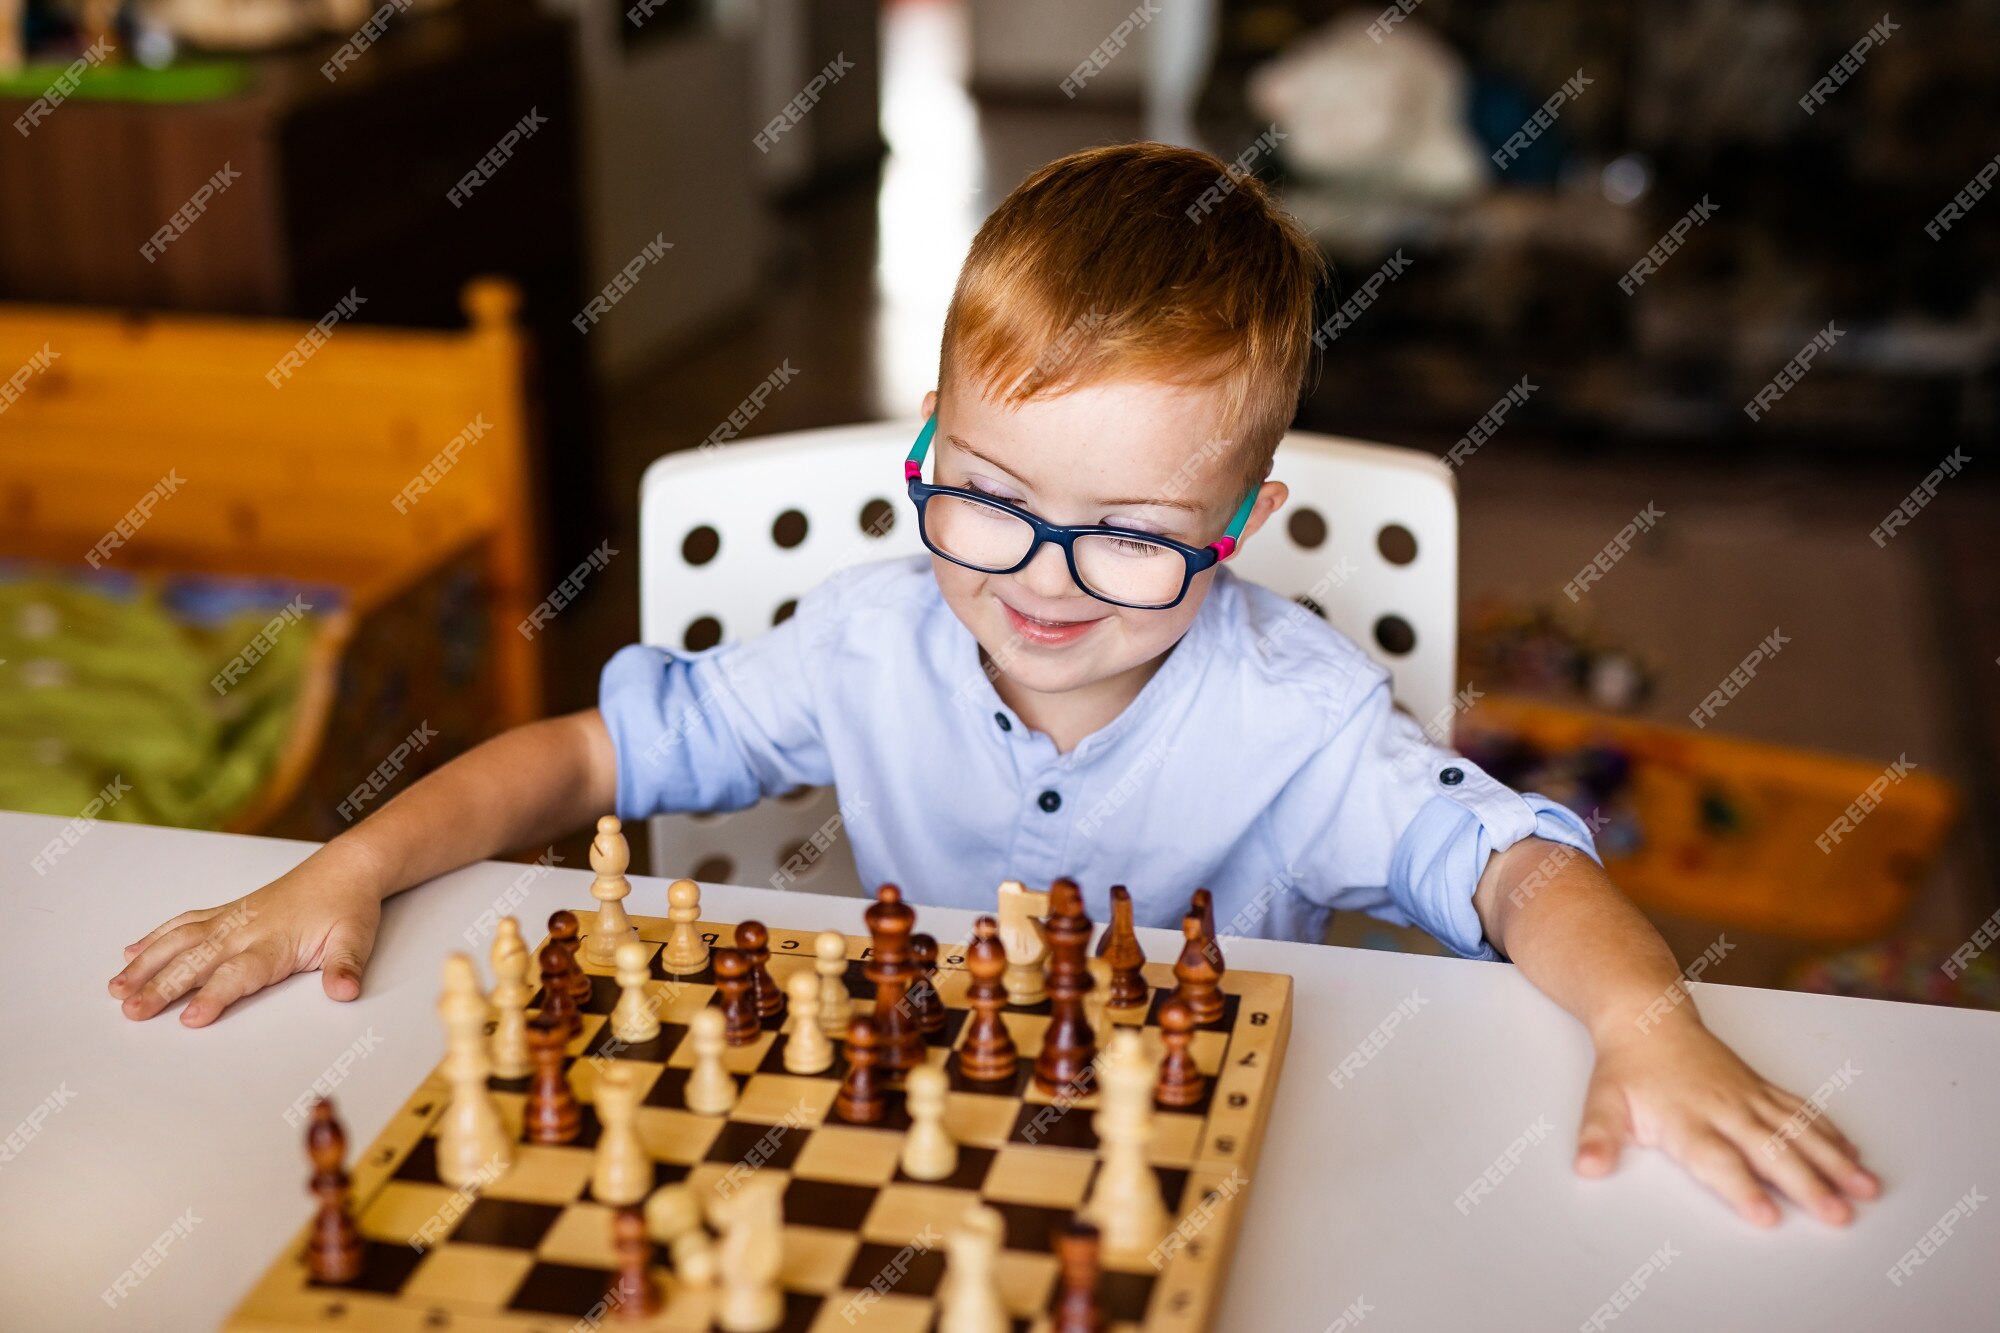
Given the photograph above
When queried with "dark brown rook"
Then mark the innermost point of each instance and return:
(634, 1294)
(552, 1114)
(754, 943)
(860, 1100)
(1068, 1044)
(1120, 948)
(925, 1002)
(558, 1004)
(740, 1021)
(889, 925)
(1203, 905)
(1181, 1080)
(987, 1054)
(564, 930)
(1076, 1256)
(333, 1251)
(1197, 973)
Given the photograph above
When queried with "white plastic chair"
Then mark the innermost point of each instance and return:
(1370, 535)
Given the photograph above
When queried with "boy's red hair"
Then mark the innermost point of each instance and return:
(1141, 261)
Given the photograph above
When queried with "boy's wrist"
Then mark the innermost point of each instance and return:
(355, 858)
(1632, 1020)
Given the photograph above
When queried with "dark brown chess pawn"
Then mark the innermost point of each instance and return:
(333, 1251)
(1068, 1044)
(1197, 973)
(987, 1054)
(634, 1294)
(564, 930)
(558, 1004)
(860, 1100)
(925, 1002)
(1077, 1257)
(1181, 1080)
(889, 967)
(741, 1023)
(1120, 948)
(1203, 905)
(754, 943)
(552, 1115)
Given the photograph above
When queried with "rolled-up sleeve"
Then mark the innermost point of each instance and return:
(1402, 827)
(722, 728)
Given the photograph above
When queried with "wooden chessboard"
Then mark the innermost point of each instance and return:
(531, 1252)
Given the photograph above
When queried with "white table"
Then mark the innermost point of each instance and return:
(1353, 1201)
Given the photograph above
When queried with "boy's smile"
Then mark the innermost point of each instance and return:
(1134, 455)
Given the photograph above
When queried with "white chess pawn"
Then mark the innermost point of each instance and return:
(970, 1298)
(1098, 998)
(511, 994)
(836, 1006)
(685, 951)
(635, 1018)
(673, 1218)
(623, 1170)
(471, 1140)
(609, 855)
(807, 1051)
(928, 1150)
(711, 1089)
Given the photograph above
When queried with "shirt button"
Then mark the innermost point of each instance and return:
(1050, 802)
(1005, 725)
(1451, 777)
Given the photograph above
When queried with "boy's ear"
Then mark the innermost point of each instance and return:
(1271, 497)
(930, 404)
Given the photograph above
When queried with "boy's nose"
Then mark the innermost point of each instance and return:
(1047, 575)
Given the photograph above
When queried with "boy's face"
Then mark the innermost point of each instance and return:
(1137, 455)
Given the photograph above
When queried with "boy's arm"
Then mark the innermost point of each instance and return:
(522, 787)
(1662, 1079)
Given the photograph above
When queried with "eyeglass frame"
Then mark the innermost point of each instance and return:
(1195, 558)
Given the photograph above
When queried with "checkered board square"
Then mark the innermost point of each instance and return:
(531, 1252)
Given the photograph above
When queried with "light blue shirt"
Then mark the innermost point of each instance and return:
(1263, 760)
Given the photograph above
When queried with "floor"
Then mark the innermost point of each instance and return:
(1899, 648)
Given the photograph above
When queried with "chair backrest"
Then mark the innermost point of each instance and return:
(730, 536)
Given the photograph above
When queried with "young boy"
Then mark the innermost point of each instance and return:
(1101, 700)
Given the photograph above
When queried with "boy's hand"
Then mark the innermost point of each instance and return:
(1681, 1090)
(322, 914)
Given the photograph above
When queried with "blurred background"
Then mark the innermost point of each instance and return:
(333, 337)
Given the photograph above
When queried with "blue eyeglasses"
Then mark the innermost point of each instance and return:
(1117, 565)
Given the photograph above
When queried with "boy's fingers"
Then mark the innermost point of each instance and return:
(1773, 1154)
(1832, 1157)
(1603, 1130)
(347, 950)
(198, 914)
(130, 984)
(1716, 1163)
(244, 974)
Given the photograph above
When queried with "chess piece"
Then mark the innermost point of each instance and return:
(1120, 948)
(564, 930)
(711, 1089)
(970, 1298)
(741, 1023)
(511, 994)
(471, 1140)
(1027, 949)
(552, 1115)
(622, 1171)
(635, 1019)
(860, 1101)
(609, 855)
(889, 925)
(1068, 1044)
(1197, 973)
(987, 1054)
(836, 1006)
(807, 1050)
(1126, 1203)
(749, 1299)
(634, 1294)
(928, 1150)
(1097, 998)
(685, 950)
(926, 1005)
(673, 1218)
(754, 943)
(1076, 1309)
(1202, 904)
(558, 1003)
(1181, 1081)
(333, 1249)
